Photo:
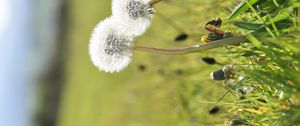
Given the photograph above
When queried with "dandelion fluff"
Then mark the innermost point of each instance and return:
(136, 14)
(110, 49)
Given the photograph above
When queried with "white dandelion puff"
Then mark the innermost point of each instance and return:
(136, 14)
(139, 9)
(110, 49)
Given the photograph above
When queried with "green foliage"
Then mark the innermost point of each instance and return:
(242, 7)
(273, 53)
(247, 25)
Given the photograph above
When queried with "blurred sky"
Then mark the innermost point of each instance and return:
(26, 46)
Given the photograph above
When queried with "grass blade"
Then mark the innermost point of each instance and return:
(242, 7)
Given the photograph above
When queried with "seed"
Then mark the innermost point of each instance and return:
(142, 67)
(209, 60)
(179, 72)
(262, 100)
(181, 37)
(214, 110)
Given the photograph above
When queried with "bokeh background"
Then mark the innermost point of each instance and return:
(47, 78)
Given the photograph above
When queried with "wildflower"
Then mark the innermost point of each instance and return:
(136, 14)
(226, 73)
(230, 71)
(245, 90)
(110, 49)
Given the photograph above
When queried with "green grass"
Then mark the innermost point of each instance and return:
(174, 90)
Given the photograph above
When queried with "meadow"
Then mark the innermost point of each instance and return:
(164, 90)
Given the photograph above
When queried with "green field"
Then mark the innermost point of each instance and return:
(169, 91)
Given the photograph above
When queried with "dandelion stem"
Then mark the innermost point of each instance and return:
(152, 2)
(193, 48)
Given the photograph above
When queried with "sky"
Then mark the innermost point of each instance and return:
(15, 85)
(28, 34)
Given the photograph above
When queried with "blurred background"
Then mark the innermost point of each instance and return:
(47, 78)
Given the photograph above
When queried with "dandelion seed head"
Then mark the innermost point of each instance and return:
(137, 9)
(136, 14)
(110, 49)
(114, 44)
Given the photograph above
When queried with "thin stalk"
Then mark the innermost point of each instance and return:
(209, 102)
(193, 48)
(275, 2)
(152, 2)
(228, 91)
